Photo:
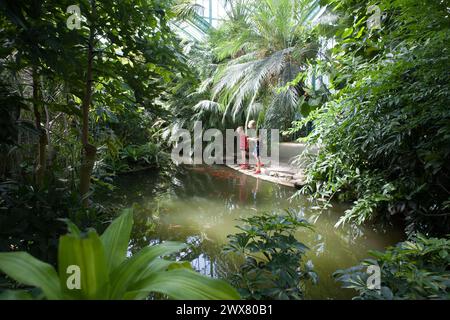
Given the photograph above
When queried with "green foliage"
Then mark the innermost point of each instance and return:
(266, 45)
(147, 154)
(186, 9)
(262, 46)
(273, 267)
(188, 92)
(415, 269)
(384, 137)
(135, 57)
(43, 87)
(107, 273)
(29, 218)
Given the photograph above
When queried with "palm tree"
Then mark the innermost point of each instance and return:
(265, 45)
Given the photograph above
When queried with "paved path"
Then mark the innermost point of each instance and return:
(284, 173)
(281, 174)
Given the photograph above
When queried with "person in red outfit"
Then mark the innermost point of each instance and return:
(243, 146)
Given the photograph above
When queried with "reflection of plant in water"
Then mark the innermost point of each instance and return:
(205, 208)
(346, 237)
(146, 221)
(202, 251)
(203, 255)
(273, 266)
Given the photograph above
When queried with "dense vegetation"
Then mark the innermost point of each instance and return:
(261, 47)
(78, 106)
(83, 104)
(375, 95)
(107, 272)
(273, 266)
(384, 135)
(415, 269)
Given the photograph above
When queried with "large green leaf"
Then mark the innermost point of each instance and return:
(139, 266)
(156, 265)
(28, 270)
(88, 254)
(184, 284)
(116, 238)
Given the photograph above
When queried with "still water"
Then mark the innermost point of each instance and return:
(201, 205)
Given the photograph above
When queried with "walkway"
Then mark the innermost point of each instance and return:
(285, 173)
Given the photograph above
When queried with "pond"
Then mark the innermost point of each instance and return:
(200, 205)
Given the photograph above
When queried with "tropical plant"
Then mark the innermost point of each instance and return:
(29, 218)
(105, 271)
(126, 58)
(273, 265)
(268, 44)
(414, 269)
(146, 154)
(187, 91)
(384, 137)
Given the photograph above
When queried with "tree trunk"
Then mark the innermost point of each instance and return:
(89, 150)
(42, 145)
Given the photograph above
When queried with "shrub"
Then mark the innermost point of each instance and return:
(273, 266)
(385, 137)
(415, 269)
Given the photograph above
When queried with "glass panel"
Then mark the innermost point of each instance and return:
(211, 14)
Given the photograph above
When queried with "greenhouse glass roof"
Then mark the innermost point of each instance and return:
(210, 13)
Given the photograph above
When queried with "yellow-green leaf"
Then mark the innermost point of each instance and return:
(28, 270)
(116, 238)
(88, 255)
(184, 284)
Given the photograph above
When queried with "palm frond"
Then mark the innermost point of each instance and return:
(229, 76)
(267, 45)
(208, 107)
(282, 109)
(263, 71)
(185, 9)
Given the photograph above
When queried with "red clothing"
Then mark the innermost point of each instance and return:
(243, 142)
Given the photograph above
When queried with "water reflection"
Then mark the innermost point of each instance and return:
(200, 205)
